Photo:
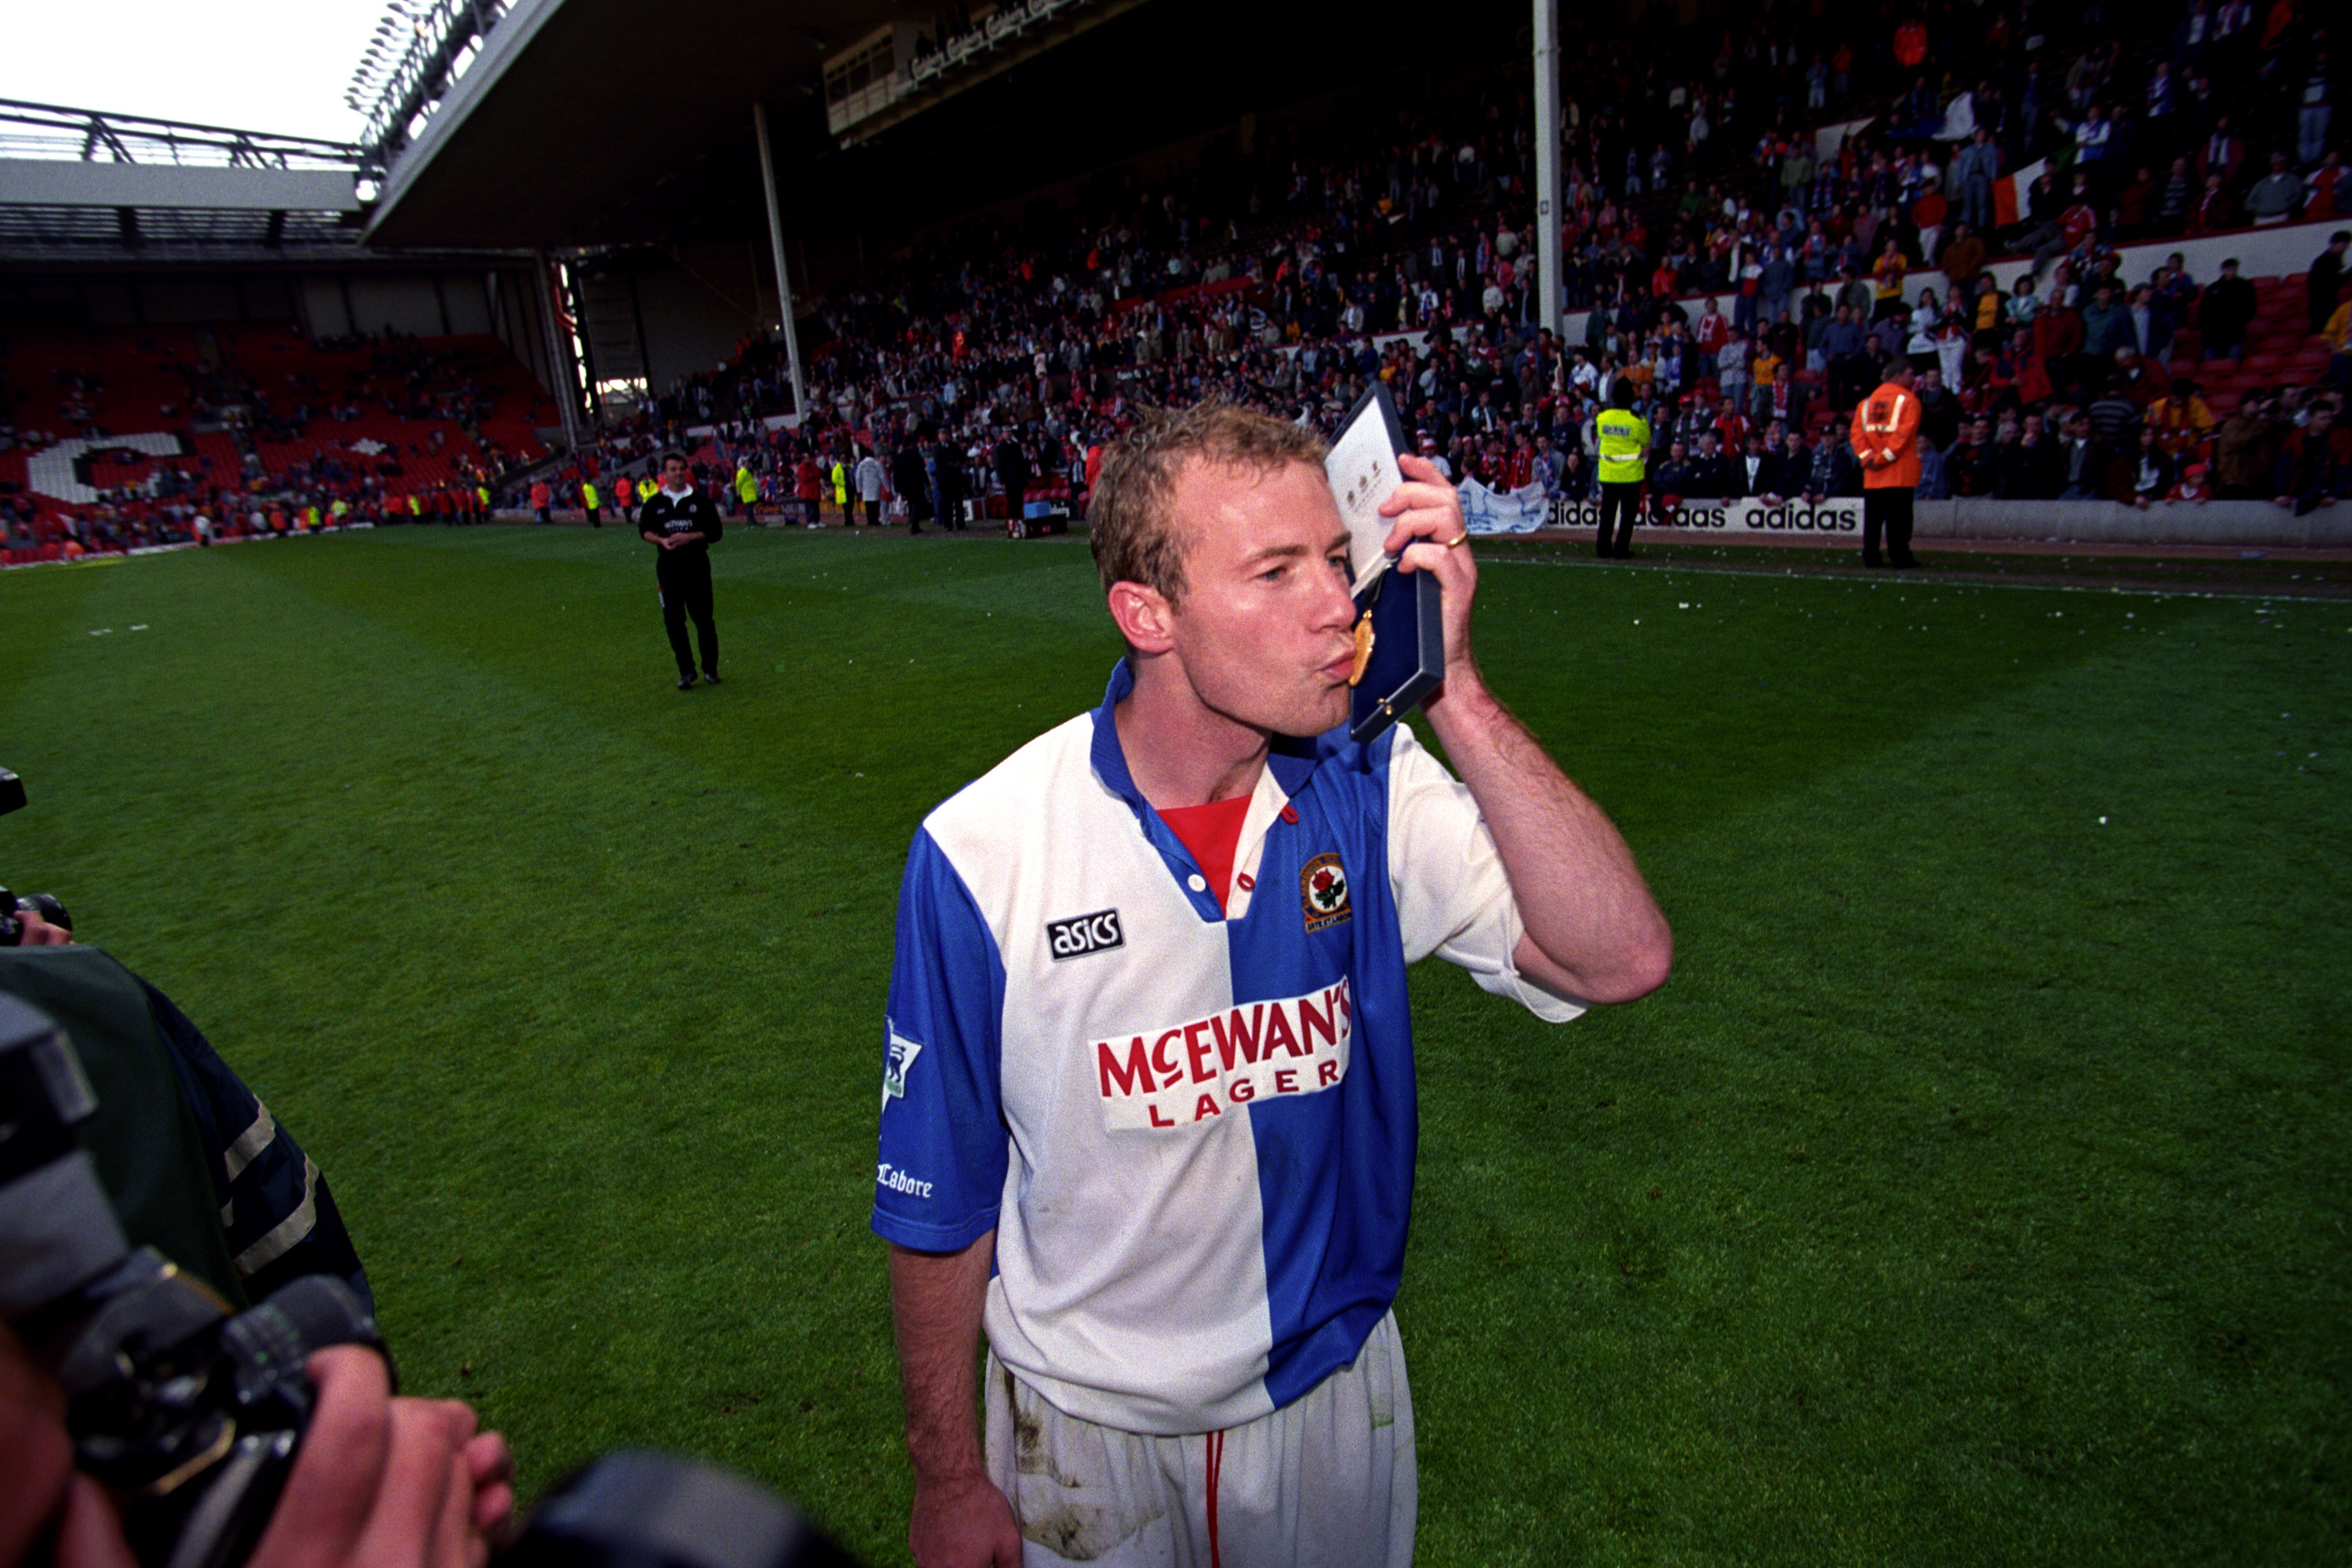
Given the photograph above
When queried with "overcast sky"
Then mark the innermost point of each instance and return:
(252, 65)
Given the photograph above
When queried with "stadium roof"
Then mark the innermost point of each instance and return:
(80, 186)
(580, 114)
(618, 123)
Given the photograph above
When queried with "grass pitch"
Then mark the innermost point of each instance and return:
(1975, 1192)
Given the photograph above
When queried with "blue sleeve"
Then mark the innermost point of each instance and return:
(944, 1147)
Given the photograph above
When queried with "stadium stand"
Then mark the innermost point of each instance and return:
(1723, 220)
(120, 438)
(1786, 192)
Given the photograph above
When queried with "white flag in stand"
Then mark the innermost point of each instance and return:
(1519, 511)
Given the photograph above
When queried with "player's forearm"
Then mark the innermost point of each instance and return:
(935, 1300)
(1593, 930)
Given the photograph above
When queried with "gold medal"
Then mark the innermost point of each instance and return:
(1363, 635)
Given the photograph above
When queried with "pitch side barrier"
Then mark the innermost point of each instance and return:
(1834, 516)
(2244, 524)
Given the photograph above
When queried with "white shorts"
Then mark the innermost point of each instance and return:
(1326, 1481)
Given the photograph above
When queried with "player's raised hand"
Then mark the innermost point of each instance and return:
(1428, 534)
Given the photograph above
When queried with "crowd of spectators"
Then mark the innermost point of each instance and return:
(1296, 262)
(1390, 239)
(181, 505)
(268, 450)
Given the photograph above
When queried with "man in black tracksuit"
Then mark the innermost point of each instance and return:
(681, 524)
(1012, 472)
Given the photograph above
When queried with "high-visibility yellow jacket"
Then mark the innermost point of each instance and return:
(1624, 446)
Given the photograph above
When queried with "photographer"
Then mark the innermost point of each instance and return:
(381, 1482)
(198, 1165)
(145, 1415)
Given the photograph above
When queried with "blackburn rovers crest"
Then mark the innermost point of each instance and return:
(1323, 892)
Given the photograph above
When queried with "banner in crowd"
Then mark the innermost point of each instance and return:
(1837, 516)
(2012, 199)
(1524, 510)
(1486, 511)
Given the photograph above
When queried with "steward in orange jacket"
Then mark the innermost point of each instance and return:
(1886, 443)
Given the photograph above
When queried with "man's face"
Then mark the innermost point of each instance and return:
(1263, 630)
(674, 475)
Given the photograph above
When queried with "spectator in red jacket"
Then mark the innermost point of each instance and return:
(2321, 184)
(2211, 209)
(2194, 484)
(2221, 152)
(2315, 464)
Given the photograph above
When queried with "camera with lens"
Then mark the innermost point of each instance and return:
(190, 1411)
(13, 908)
(193, 1414)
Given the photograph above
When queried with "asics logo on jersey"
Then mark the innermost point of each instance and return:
(1084, 933)
(1185, 1073)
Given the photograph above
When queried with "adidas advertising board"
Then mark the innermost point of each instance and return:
(1834, 516)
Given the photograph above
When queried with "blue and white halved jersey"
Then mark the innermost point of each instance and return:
(1192, 1130)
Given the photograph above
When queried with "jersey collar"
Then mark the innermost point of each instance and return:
(1288, 766)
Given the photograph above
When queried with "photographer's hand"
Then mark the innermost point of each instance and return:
(36, 931)
(380, 1482)
(489, 1472)
(385, 1483)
